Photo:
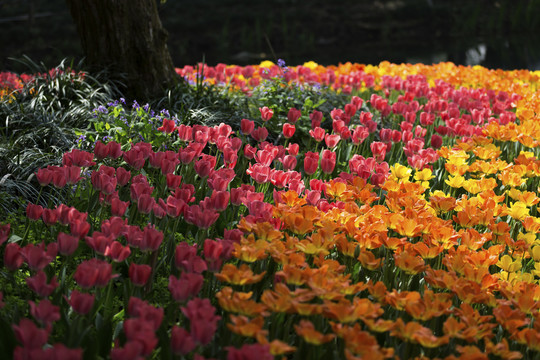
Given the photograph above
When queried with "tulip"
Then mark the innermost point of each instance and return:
(45, 312)
(328, 161)
(152, 239)
(311, 162)
(33, 212)
(288, 130)
(139, 274)
(12, 256)
(186, 287)
(332, 140)
(36, 257)
(29, 335)
(186, 258)
(78, 158)
(293, 115)
(38, 284)
(318, 134)
(141, 332)
(168, 126)
(259, 134)
(185, 132)
(93, 273)
(67, 244)
(181, 342)
(117, 252)
(378, 149)
(44, 177)
(316, 118)
(247, 126)
(266, 113)
(81, 303)
(202, 319)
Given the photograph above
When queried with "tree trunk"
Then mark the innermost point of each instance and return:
(126, 37)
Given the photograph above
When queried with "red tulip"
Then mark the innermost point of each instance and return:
(117, 252)
(289, 162)
(250, 352)
(181, 342)
(33, 212)
(145, 203)
(99, 242)
(38, 284)
(318, 134)
(67, 244)
(44, 176)
(29, 335)
(118, 207)
(12, 257)
(139, 274)
(93, 273)
(185, 132)
(247, 126)
(259, 134)
(130, 350)
(186, 287)
(436, 141)
(220, 200)
(173, 181)
(288, 130)
(168, 126)
(45, 312)
(316, 118)
(328, 161)
(378, 149)
(186, 258)
(293, 115)
(202, 319)
(260, 173)
(332, 140)
(152, 239)
(311, 162)
(142, 332)
(266, 113)
(36, 257)
(81, 303)
(78, 158)
(50, 216)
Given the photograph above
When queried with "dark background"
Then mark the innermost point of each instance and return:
(496, 34)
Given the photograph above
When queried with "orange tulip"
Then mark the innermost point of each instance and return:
(244, 326)
(240, 303)
(411, 264)
(307, 331)
(238, 276)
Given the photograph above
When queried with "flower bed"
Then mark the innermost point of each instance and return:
(400, 223)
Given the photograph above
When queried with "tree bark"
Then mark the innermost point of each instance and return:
(126, 37)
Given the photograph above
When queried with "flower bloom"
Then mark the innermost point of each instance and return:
(293, 115)
(92, 273)
(247, 126)
(288, 130)
(266, 113)
(81, 303)
(185, 287)
(328, 161)
(202, 319)
(181, 341)
(139, 274)
(311, 162)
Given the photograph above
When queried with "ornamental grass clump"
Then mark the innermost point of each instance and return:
(399, 223)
